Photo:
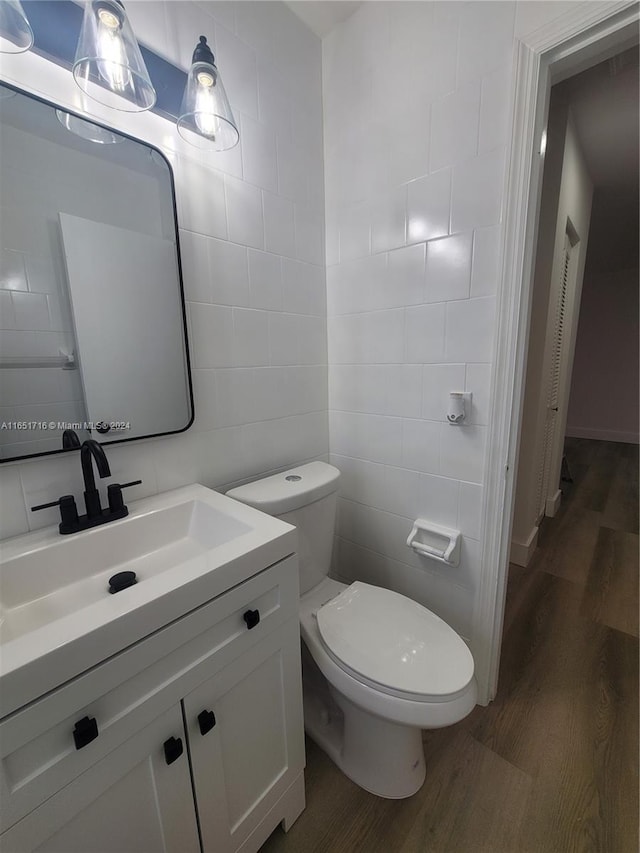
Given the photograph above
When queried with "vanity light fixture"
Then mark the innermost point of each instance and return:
(16, 35)
(206, 120)
(108, 64)
(111, 67)
(6, 93)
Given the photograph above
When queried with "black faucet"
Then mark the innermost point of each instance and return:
(92, 450)
(71, 522)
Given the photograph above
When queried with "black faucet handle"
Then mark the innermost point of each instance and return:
(68, 512)
(46, 506)
(64, 500)
(70, 439)
(114, 494)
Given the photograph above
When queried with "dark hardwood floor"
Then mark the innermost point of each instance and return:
(551, 766)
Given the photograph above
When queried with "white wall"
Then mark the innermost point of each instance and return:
(252, 240)
(604, 385)
(567, 194)
(417, 131)
(416, 128)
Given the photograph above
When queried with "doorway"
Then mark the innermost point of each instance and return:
(593, 33)
(590, 165)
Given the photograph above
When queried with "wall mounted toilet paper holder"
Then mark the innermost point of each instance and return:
(434, 541)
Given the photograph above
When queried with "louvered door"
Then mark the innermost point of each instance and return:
(556, 354)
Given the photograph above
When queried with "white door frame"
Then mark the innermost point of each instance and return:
(590, 28)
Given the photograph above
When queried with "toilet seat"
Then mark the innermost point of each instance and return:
(412, 710)
(394, 644)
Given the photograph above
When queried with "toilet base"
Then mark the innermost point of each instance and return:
(384, 758)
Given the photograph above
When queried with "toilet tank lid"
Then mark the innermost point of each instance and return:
(289, 490)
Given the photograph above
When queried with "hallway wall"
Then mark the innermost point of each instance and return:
(604, 399)
(566, 195)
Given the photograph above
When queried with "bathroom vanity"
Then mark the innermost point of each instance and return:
(166, 717)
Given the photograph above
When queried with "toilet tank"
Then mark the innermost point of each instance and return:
(305, 497)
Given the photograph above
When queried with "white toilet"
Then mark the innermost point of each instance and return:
(377, 667)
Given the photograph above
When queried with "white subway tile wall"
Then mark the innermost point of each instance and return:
(416, 102)
(252, 243)
(391, 139)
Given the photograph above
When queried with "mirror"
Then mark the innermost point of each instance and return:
(92, 317)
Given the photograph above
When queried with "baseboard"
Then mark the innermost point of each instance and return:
(552, 505)
(603, 434)
(522, 552)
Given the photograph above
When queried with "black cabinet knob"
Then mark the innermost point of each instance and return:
(251, 617)
(84, 731)
(206, 721)
(173, 749)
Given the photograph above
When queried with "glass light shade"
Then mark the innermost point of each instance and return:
(16, 35)
(109, 66)
(87, 129)
(206, 120)
(5, 93)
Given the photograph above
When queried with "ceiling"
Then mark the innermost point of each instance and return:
(604, 102)
(322, 16)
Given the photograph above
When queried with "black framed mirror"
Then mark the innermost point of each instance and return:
(93, 333)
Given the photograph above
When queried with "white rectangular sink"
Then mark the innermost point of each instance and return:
(57, 616)
(48, 583)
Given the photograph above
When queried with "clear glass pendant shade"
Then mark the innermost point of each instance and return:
(5, 93)
(87, 129)
(206, 120)
(109, 66)
(16, 35)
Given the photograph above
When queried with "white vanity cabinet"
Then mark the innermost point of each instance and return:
(131, 800)
(199, 743)
(247, 761)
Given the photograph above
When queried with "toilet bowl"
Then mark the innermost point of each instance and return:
(377, 667)
(377, 742)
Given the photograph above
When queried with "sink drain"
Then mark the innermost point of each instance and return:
(121, 581)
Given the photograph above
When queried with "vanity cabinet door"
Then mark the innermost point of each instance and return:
(246, 741)
(137, 799)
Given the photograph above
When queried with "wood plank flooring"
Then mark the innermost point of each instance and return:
(551, 766)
